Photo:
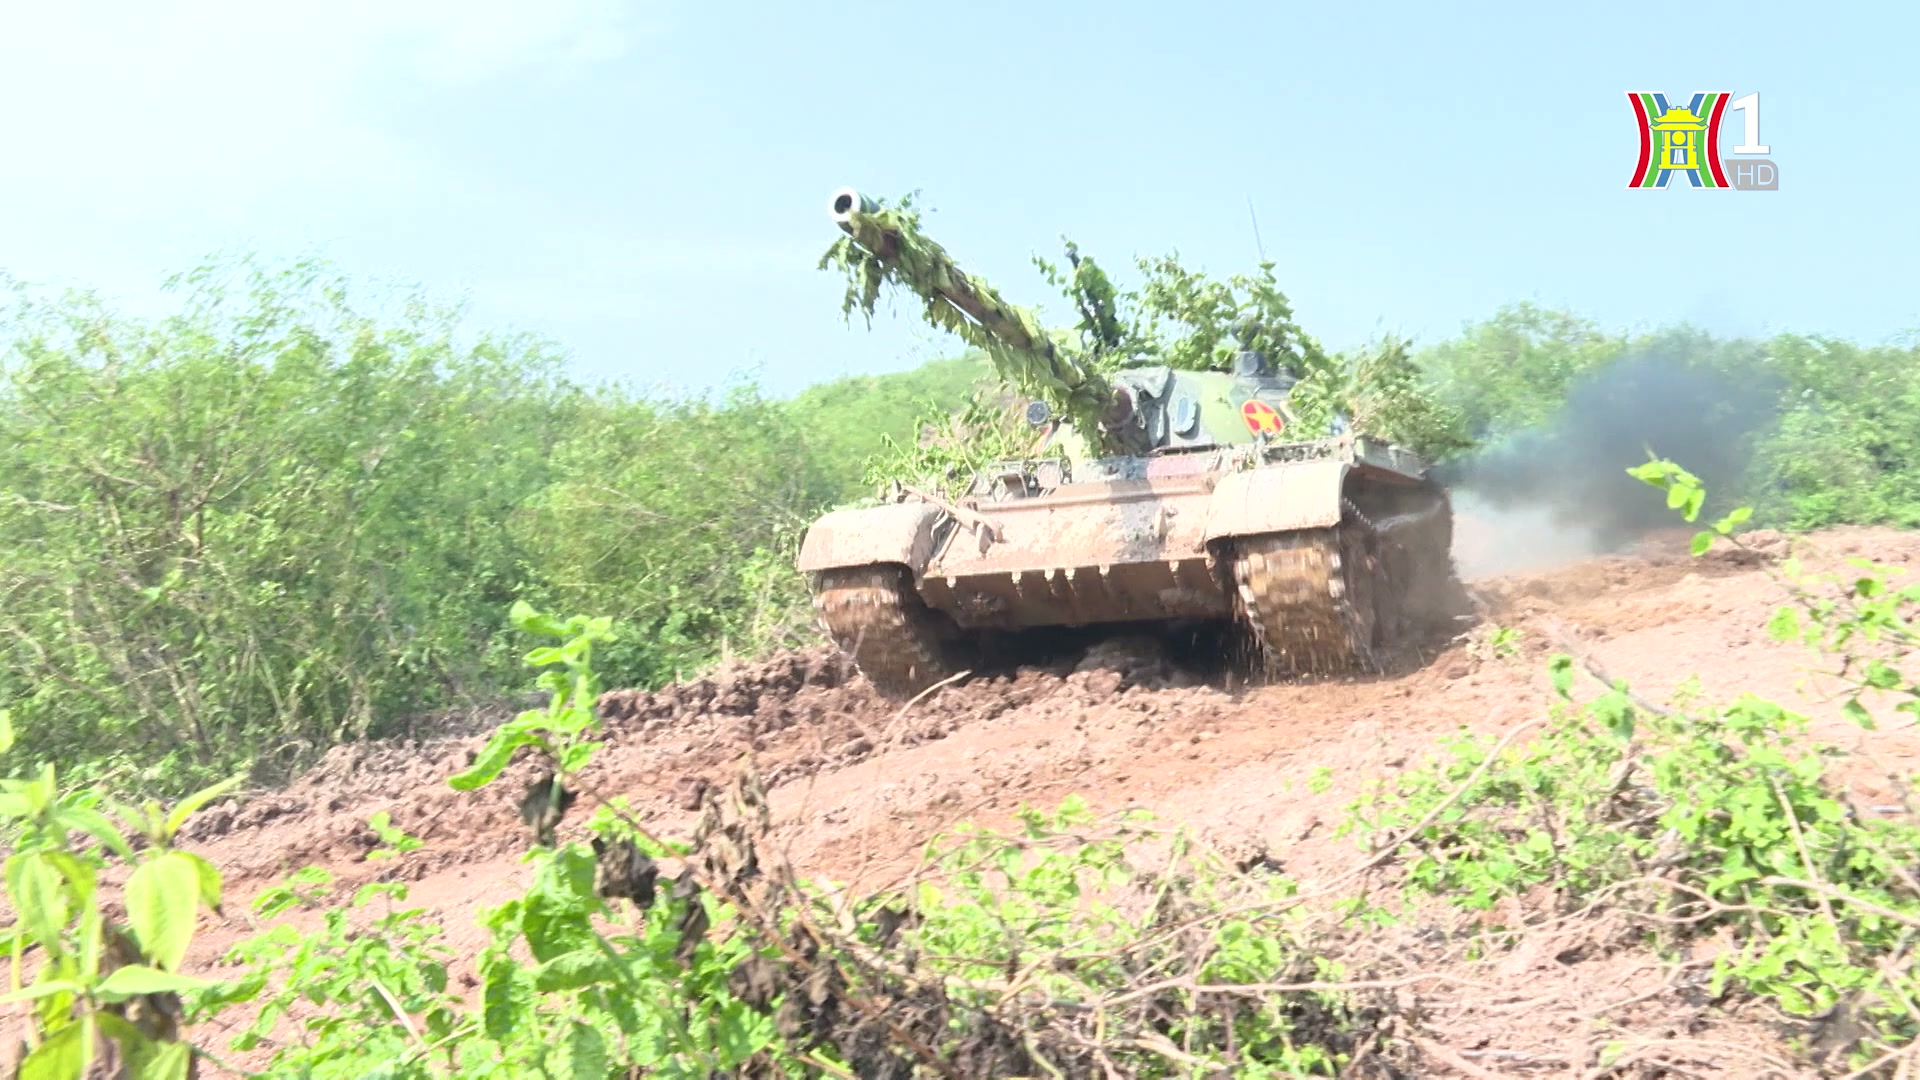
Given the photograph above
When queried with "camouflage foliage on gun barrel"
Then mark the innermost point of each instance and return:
(884, 246)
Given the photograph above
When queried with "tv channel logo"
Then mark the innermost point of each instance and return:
(1684, 141)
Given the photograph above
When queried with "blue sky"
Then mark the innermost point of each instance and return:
(647, 183)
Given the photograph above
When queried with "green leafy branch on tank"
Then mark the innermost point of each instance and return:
(884, 246)
(1216, 322)
(1178, 317)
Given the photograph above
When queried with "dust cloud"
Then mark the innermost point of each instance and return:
(1489, 540)
(1559, 492)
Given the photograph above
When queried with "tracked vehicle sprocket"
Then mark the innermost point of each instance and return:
(1346, 599)
(874, 616)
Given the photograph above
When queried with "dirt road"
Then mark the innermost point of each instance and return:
(859, 784)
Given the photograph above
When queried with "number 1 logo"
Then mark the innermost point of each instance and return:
(1684, 140)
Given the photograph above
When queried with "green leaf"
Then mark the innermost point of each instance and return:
(38, 990)
(209, 877)
(527, 620)
(505, 999)
(1696, 498)
(583, 1056)
(186, 807)
(171, 1063)
(79, 875)
(134, 1044)
(6, 731)
(164, 1061)
(136, 979)
(95, 824)
(1560, 669)
(1701, 542)
(1856, 712)
(144, 1058)
(92, 940)
(1652, 473)
(64, 1056)
(34, 887)
(1882, 676)
(572, 970)
(575, 757)
(1614, 710)
(1785, 624)
(544, 656)
(244, 989)
(741, 1033)
(162, 906)
(492, 760)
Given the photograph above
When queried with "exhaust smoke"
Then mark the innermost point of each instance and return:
(1559, 492)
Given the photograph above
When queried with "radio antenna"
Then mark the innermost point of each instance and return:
(1255, 218)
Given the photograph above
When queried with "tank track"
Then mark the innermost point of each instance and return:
(875, 616)
(1297, 595)
(1340, 600)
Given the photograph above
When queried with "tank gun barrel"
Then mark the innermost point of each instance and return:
(852, 210)
(1012, 337)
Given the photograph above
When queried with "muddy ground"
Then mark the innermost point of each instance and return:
(860, 784)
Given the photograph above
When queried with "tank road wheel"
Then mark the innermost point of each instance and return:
(876, 617)
(1309, 598)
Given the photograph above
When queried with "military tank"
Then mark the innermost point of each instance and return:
(1152, 495)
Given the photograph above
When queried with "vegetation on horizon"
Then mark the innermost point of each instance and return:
(289, 514)
(275, 521)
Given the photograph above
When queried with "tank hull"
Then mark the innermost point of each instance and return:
(1084, 553)
(1305, 543)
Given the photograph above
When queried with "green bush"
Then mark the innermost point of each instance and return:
(288, 514)
(848, 420)
(681, 520)
(284, 517)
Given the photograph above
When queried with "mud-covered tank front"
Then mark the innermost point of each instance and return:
(1332, 554)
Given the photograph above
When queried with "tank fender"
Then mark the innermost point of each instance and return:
(863, 536)
(1277, 498)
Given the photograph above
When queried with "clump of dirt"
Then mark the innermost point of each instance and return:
(800, 712)
(774, 691)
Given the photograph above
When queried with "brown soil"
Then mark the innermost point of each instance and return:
(858, 784)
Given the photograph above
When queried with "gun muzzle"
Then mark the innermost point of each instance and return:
(848, 202)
